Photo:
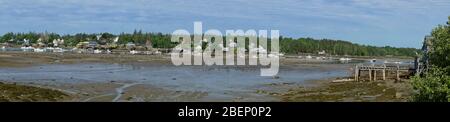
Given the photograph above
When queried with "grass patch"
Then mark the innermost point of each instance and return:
(21, 93)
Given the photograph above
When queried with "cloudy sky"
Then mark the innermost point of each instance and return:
(401, 23)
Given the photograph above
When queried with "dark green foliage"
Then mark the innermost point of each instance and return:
(338, 47)
(439, 55)
(434, 85)
(19, 93)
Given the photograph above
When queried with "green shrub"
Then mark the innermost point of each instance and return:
(434, 86)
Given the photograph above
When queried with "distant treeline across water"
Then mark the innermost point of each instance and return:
(160, 40)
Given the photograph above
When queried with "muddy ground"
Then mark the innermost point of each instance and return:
(122, 91)
(349, 91)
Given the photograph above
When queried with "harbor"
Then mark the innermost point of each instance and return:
(126, 77)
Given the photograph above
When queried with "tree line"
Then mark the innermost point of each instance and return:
(160, 40)
(339, 47)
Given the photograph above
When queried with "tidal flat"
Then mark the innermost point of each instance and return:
(153, 78)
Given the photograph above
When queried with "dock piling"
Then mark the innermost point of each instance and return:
(372, 71)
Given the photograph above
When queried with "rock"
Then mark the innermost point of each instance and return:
(260, 92)
(384, 90)
(398, 95)
(130, 98)
(174, 78)
(276, 77)
(274, 94)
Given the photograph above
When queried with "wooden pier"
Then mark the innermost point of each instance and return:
(372, 69)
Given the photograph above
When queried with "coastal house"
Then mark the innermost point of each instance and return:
(82, 44)
(57, 42)
(130, 45)
(92, 44)
(322, 52)
(40, 42)
(26, 42)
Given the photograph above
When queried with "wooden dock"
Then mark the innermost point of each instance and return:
(373, 69)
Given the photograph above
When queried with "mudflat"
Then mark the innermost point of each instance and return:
(131, 78)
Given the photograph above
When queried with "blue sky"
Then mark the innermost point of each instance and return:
(400, 23)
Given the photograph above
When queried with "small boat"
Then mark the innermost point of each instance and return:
(158, 53)
(97, 51)
(134, 52)
(39, 50)
(26, 49)
(58, 50)
(344, 59)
